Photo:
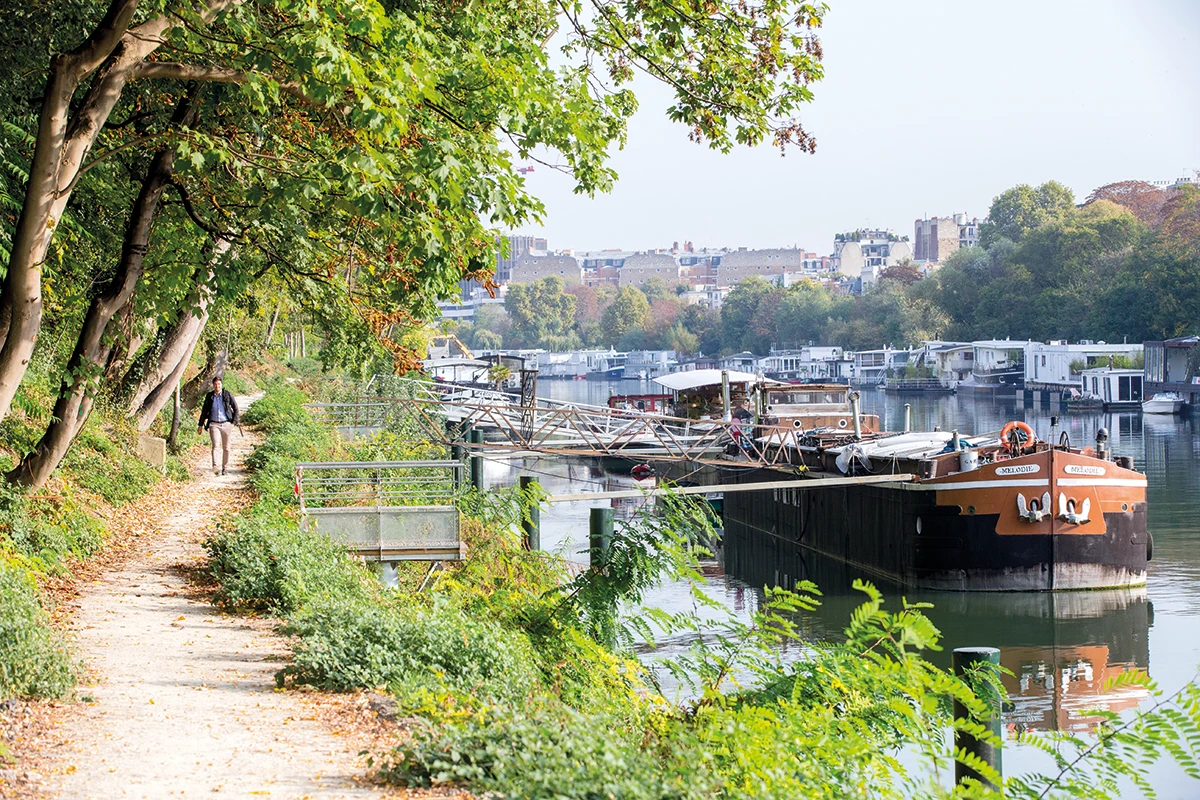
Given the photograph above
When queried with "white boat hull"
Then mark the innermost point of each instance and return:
(1162, 406)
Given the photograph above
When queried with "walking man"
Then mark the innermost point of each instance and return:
(220, 415)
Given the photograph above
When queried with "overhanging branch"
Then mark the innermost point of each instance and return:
(173, 70)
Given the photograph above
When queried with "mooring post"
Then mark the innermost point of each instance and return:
(907, 417)
(726, 410)
(854, 397)
(476, 439)
(600, 534)
(968, 659)
(531, 514)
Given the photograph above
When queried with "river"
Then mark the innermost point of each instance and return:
(1061, 647)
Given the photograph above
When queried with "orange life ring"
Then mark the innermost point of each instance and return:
(1030, 437)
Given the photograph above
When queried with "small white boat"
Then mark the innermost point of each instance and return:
(1163, 403)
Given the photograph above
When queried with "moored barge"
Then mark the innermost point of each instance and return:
(985, 513)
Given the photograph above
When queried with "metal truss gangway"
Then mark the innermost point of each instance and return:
(444, 411)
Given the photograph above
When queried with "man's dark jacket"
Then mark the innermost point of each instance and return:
(231, 409)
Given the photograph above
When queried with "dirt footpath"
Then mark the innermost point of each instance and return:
(182, 697)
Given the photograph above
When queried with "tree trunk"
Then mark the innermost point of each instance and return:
(64, 138)
(131, 336)
(173, 439)
(271, 328)
(75, 399)
(214, 367)
(179, 342)
(145, 414)
(303, 346)
(157, 384)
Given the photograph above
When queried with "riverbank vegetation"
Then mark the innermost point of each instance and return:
(515, 674)
(1123, 266)
(192, 187)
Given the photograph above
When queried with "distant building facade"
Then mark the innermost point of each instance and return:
(517, 247)
(741, 264)
(641, 267)
(530, 268)
(937, 238)
(866, 253)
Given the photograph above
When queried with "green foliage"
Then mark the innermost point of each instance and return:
(306, 366)
(239, 384)
(1019, 210)
(34, 660)
(539, 311)
(628, 311)
(738, 312)
(47, 532)
(642, 552)
(118, 477)
(547, 755)
(345, 644)
(265, 561)
(282, 403)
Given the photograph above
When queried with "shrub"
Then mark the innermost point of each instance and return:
(34, 661)
(48, 532)
(238, 383)
(556, 754)
(274, 462)
(266, 562)
(177, 470)
(281, 404)
(306, 366)
(348, 643)
(116, 476)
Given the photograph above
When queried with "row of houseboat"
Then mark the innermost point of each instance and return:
(1080, 376)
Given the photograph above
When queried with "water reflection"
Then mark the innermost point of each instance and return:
(1061, 648)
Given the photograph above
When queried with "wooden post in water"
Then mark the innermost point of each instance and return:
(968, 659)
(475, 437)
(726, 411)
(531, 515)
(600, 531)
(907, 417)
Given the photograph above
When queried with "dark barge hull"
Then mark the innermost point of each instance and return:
(903, 536)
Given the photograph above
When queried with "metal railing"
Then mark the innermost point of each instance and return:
(385, 510)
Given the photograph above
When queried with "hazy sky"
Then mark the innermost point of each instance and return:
(927, 108)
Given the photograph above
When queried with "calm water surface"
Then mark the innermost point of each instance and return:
(1060, 647)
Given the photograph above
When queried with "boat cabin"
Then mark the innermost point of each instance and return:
(1115, 388)
(643, 403)
(457, 370)
(699, 394)
(811, 406)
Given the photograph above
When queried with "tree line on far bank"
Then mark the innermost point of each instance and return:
(1123, 265)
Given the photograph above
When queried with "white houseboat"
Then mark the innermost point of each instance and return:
(1115, 388)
